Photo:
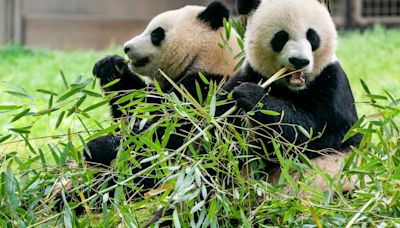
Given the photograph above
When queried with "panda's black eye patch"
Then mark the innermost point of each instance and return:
(313, 38)
(157, 36)
(279, 40)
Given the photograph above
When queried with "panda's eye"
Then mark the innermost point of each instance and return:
(157, 36)
(279, 40)
(313, 38)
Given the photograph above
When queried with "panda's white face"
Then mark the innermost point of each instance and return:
(296, 34)
(177, 40)
(147, 50)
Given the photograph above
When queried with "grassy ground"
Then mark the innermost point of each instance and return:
(371, 55)
(35, 69)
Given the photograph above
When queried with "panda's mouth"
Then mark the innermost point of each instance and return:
(141, 62)
(297, 79)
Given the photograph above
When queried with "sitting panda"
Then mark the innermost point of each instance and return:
(298, 35)
(179, 42)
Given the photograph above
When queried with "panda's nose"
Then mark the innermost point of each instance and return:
(299, 63)
(127, 49)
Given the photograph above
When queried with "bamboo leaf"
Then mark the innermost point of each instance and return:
(95, 106)
(113, 82)
(92, 94)
(105, 131)
(304, 131)
(177, 223)
(69, 94)
(365, 87)
(23, 130)
(60, 118)
(270, 113)
(204, 78)
(64, 79)
(20, 95)
(47, 92)
(4, 138)
(12, 190)
(9, 107)
(197, 207)
(45, 111)
(20, 115)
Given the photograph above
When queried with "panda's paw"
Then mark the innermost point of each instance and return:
(247, 95)
(102, 150)
(110, 68)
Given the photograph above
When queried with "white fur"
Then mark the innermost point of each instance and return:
(188, 41)
(295, 17)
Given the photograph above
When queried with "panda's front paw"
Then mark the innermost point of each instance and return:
(247, 95)
(102, 150)
(110, 68)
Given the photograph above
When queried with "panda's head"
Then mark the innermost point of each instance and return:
(296, 34)
(183, 40)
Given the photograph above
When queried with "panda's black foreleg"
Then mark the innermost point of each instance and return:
(115, 67)
(249, 95)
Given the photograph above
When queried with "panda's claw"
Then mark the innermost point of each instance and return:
(247, 95)
(110, 68)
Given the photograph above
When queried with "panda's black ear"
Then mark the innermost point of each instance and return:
(214, 15)
(328, 4)
(245, 7)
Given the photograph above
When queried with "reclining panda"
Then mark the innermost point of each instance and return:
(298, 35)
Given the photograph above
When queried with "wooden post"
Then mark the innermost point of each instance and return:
(17, 19)
(10, 21)
(349, 14)
(3, 21)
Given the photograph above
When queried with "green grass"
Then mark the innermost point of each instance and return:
(30, 168)
(373, 56)
(33, 69)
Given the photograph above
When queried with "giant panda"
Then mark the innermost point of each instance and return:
(181, 43)
(298, 35)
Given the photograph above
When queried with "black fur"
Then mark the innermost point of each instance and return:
(326, 105)
(157, 36)
(279, 40)
(105, 148)
(114, 67)
(214, 15)
(245, 7)
(313, 38)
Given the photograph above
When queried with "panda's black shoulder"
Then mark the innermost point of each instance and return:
(333, 82)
